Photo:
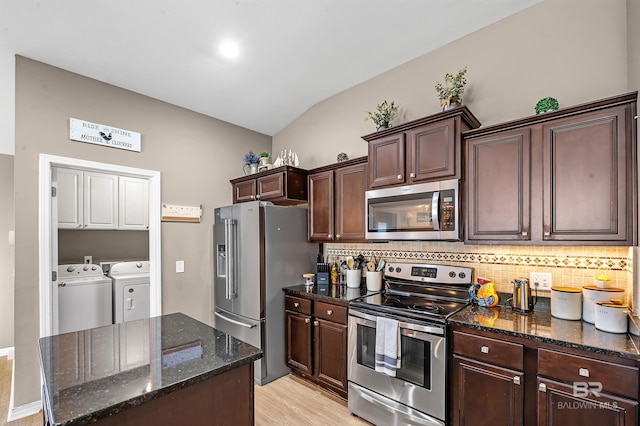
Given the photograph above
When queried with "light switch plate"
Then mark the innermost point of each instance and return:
(179, 266)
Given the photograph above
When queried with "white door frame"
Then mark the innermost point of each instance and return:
(45, 229)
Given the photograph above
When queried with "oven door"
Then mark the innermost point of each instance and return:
(420, 381)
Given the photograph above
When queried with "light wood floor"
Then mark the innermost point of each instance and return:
(286, 401)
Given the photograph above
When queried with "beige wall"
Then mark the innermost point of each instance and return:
(573, 50)
(196, 155)
(6, 251)
(118, 246)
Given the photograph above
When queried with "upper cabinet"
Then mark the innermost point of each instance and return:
(567, 176)
(285, 185)
(422, 150)
(91, 200)
(336, 201)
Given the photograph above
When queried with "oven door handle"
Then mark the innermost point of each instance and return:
(435, 210)
(370, 321)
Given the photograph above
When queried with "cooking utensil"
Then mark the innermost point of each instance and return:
(351, 263)
(380, 265)
(371, 267)
(359, 261)
(344, 266)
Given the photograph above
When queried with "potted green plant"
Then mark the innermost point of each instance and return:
(383, 115)
(450, 93)
(264, 157)
(547, 104)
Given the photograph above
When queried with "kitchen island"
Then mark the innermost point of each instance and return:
(163, 370)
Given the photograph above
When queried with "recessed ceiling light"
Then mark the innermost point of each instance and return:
(229, 49)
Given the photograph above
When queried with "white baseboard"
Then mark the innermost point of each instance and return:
(8, 352)
(25, 410)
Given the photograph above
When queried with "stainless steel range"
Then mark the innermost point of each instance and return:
(420, 297)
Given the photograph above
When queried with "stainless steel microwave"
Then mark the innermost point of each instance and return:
(427, 211)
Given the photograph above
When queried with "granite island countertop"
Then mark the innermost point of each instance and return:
(96, 373)
(540, 326)
(339, 293)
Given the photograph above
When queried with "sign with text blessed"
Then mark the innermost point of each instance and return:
(100, 134)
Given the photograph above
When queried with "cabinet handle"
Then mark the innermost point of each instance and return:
(85, 225)
(307, 320)
(525, 233)
(484, 349)
(316, 323)
(584, 372)
(412, 175)
(329, 312)
(516, 380)
(253, 197)
(542, 387)
(296, 304)
(399, 177)
(546, 234)
(79, 225)
(330, 236)
(337, 236)
(257, 197)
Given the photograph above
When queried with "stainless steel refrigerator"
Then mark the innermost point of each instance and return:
(259, 249)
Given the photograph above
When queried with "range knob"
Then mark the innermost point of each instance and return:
(398, 269)
(452, 274)
(71, 269)
(462, 275)
(139, 265)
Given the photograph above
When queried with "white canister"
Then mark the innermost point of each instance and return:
(593, 294)
(612, 317)
(374, 280)
(353, 278)
(566, 303)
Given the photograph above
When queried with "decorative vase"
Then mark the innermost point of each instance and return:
(383, 125)
(263, 162)
(253, 168)
(451, 105)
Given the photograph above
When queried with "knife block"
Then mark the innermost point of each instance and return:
(323, 273)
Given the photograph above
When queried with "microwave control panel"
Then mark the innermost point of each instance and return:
(448, 210)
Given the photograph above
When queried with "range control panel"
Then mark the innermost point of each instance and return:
(442, 274)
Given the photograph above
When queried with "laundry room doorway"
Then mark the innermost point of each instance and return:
(76, 226)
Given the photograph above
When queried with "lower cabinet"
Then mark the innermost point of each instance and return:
(317, 342)
(513, 381)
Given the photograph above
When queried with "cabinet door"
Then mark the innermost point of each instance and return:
(244, 191)
(351, 184)
(564, 405)
(133, 203)
(100, 201)
(331, 354)
(487, 395)
(432, 151)
(70, 198)
(270, 187)
(299, 335)
(321, 197)
(587, 173)
(498, 187)
(387, 161)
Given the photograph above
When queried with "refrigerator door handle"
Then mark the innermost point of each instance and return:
(233, 321)
(230, 259)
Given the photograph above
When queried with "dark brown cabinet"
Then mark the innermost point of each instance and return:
(497, 379)
(284, 185)
(419, 151)
(563, 177)
(336, 201)
(488, 381)
(317, 342)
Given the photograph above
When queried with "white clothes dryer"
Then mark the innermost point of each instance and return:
(131, 286)
(84, 297)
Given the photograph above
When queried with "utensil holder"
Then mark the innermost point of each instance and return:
(353, 278)
(374, 280)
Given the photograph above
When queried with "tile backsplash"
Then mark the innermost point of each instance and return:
(573, 266)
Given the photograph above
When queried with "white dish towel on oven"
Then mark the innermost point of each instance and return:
(387, 346)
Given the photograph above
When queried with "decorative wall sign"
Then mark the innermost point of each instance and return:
(100, 134)
(173, 213)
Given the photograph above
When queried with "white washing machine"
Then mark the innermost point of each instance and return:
(131, 284)
(84, 298)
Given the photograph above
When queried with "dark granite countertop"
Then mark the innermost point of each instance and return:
(540, 326)
(330, 292)
(92, 374)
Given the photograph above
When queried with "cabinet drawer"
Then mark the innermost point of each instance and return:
(492, 351)
(297, 304)
(615, 378)
(329, 312)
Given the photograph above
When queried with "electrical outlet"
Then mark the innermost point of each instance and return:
(179, 266)
(88, 260)
(540, 280)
